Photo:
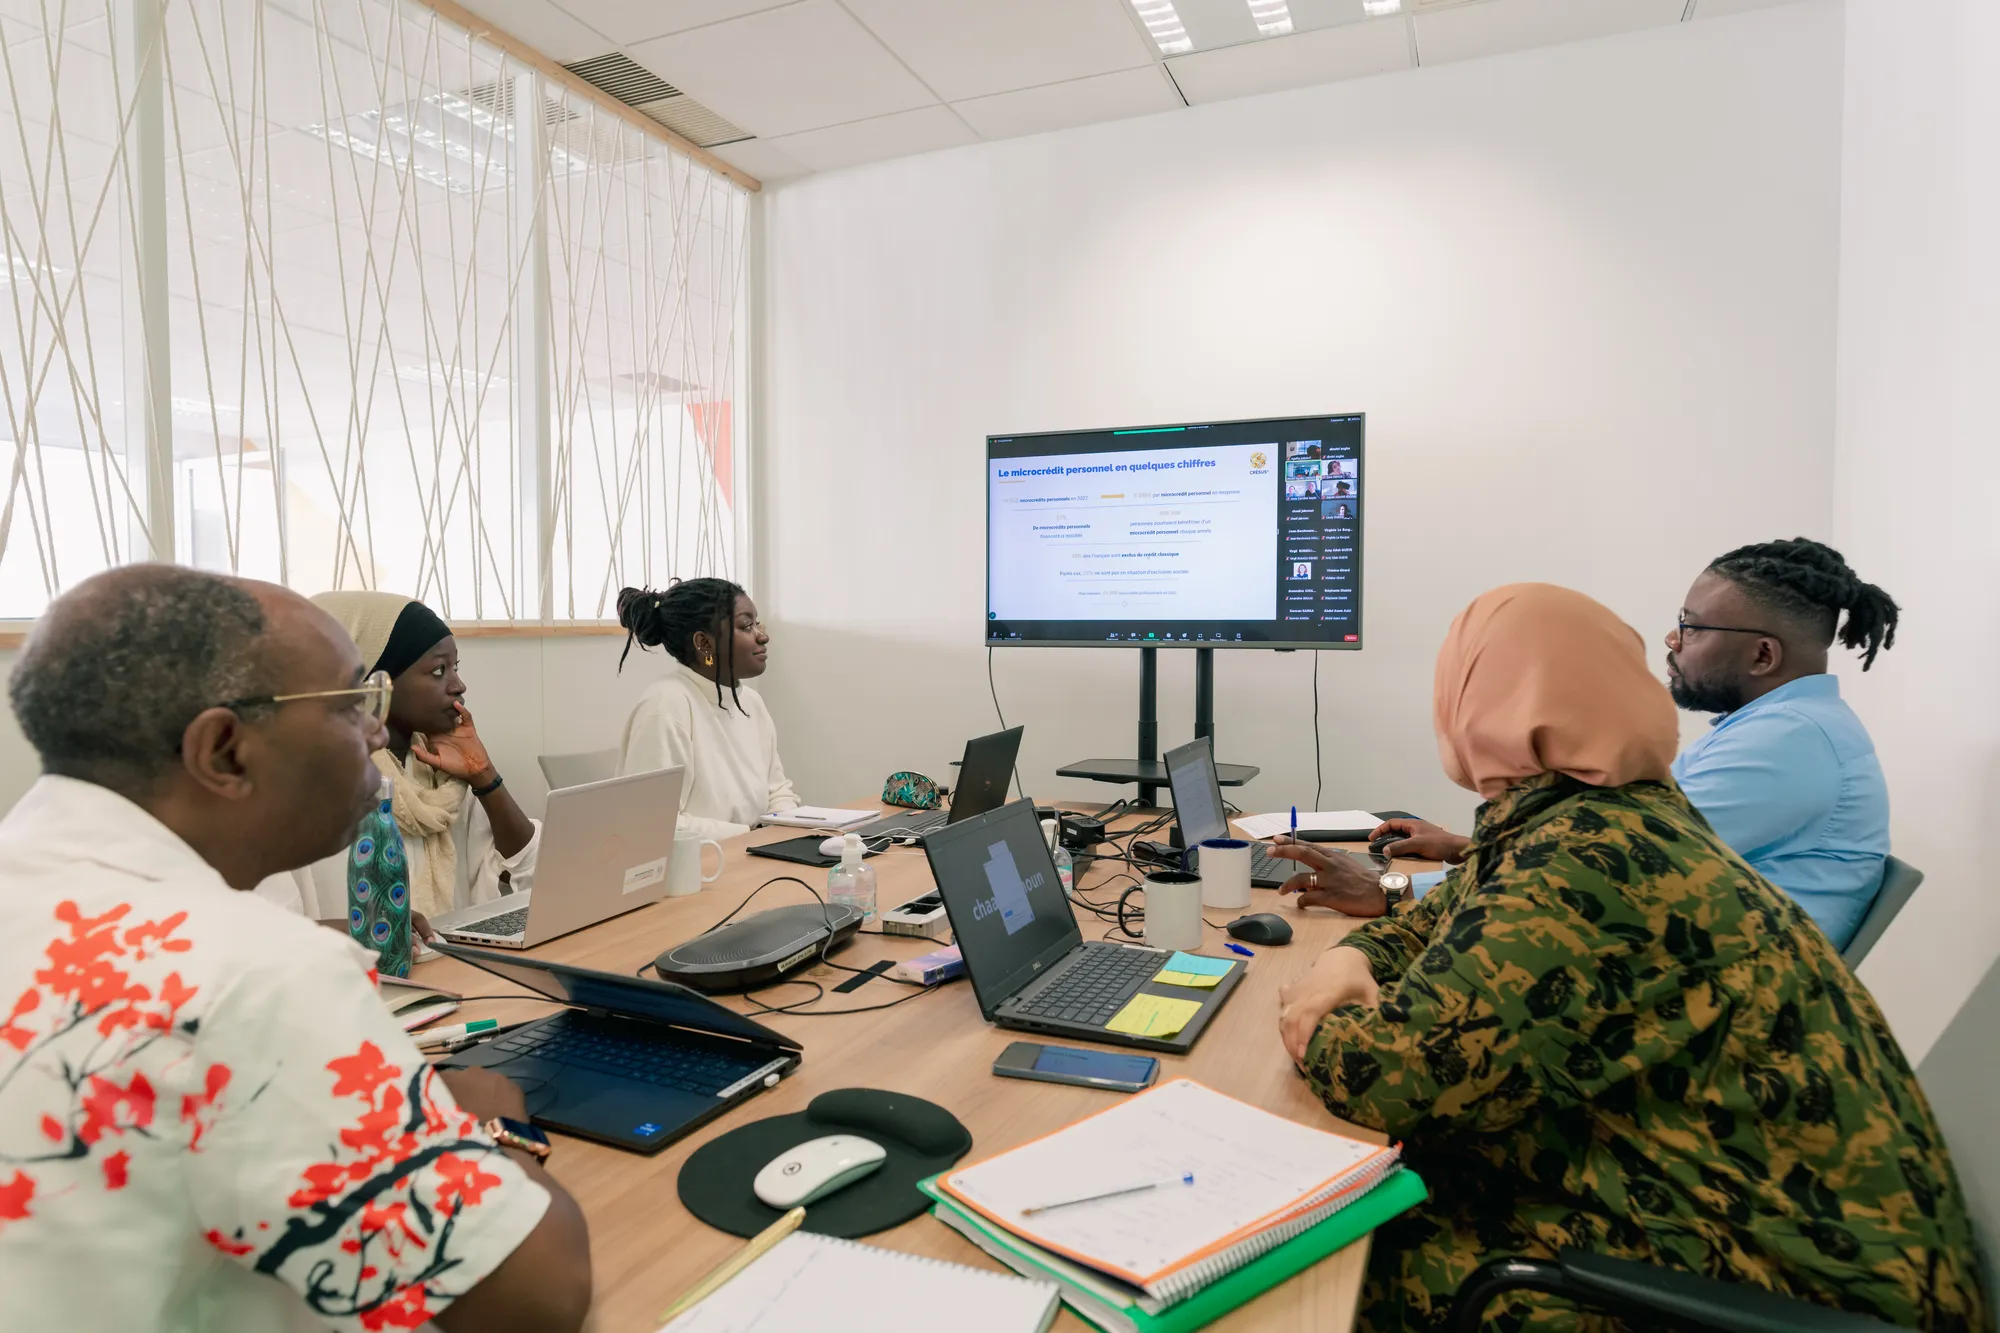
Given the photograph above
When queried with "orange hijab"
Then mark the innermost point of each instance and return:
(1536, 679)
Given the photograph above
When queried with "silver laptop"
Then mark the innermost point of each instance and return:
(605, 850)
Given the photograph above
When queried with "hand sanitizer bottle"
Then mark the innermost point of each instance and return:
(853, 881)
(1065, 863)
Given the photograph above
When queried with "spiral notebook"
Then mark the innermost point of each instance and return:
(813, 1283)
(1258, 1181)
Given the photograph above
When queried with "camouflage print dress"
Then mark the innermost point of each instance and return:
(1605, 1031)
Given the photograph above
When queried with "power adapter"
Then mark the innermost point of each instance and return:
(1081, 832)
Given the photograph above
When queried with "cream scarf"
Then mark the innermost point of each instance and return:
(426, 805)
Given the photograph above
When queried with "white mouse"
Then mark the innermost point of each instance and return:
(832, 846)
(816, 1169)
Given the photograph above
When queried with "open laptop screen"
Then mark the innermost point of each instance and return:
(1007, 909)
(661, 1001)
(1197, 794)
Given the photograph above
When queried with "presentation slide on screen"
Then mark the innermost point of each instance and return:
(1167, 534)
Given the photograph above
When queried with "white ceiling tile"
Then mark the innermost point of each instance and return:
(798, 68)
(1216, 23)
(900, 135)
(552, 31)
(758, 157)
(969, 48)
(1514, 25)
(628, 21)
(1351, 51)
(1711, 9)
(1056, 106)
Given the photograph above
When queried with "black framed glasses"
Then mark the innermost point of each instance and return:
(374, 690)
(1682, 625)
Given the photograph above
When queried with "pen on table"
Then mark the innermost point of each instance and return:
(1184, 1178)
(442, 1036)
(736, 1263)
(1240, 949)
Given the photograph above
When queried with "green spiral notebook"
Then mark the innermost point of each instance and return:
(1111, 1304)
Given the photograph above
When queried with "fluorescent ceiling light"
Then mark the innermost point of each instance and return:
(1272, 17)
(444, 139)
(1379, 8)
(1163, 21)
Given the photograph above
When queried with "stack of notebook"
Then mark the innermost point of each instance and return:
(1196, 1204)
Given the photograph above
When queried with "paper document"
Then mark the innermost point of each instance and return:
(1252, 1171)
(1270, 826)
(820, 816)
(816, 1282)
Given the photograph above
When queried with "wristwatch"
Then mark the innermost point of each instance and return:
(1395, 886)
(513, 1134)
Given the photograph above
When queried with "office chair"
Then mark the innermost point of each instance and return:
(1899, 881)
(1962, 1082)
(573, 770)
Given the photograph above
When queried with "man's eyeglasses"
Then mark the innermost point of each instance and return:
(1682, 625)
(373, 692)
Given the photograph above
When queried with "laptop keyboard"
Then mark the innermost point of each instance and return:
(504, 926)
(1096, 986)
(665, 1065)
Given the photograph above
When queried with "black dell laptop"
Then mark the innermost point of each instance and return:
(982, 785)
(1200, 815)
(1029, 964)
(636, 1064)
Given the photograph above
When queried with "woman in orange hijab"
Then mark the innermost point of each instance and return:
(1604, 1031)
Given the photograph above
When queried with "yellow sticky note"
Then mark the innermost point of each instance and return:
(1154, 1016)
(1172, 978)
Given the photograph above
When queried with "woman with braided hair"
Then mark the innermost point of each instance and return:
(1787, 774)
(702, 716)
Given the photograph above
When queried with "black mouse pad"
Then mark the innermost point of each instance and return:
(920, 1138)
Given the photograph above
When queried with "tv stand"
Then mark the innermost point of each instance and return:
(1147, 770)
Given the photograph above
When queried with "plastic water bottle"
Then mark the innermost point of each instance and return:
(853, 881)
(1065, 863)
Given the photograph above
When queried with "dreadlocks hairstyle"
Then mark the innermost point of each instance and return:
(1811, 581)
(671, 619)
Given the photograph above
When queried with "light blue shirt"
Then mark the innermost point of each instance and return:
(1791, 782)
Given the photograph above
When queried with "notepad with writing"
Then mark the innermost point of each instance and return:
(1259, 1181)
(818, 1282)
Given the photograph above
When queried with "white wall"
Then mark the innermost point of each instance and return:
(529, 697)
(1918, 474)
(1586, 296)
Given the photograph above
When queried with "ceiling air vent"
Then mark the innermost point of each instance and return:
(653, 97)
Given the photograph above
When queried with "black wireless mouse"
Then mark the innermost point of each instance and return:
(1261, 928)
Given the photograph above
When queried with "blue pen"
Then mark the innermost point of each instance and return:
(1295, 823)
(1240, 949)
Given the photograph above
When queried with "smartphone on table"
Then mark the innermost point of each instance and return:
(1110, 1070)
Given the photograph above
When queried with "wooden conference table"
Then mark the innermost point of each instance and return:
(646, 1249)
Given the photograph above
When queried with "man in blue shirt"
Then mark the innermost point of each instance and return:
(1786, 774)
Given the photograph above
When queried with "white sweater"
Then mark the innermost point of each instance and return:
(734, 775)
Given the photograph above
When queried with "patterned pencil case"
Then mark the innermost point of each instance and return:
(912, 791)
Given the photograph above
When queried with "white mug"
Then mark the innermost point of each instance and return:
(1173, 910)
(684, 872)
(1225, 873)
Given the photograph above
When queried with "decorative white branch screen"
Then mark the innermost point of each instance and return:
(337, 295)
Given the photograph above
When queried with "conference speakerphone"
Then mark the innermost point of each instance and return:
(1221, 534)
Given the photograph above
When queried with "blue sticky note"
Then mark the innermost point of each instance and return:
(1199, 966)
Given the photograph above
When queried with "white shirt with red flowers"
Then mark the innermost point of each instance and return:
(207, 1118)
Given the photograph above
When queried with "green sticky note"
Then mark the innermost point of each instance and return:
(1196, 964)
